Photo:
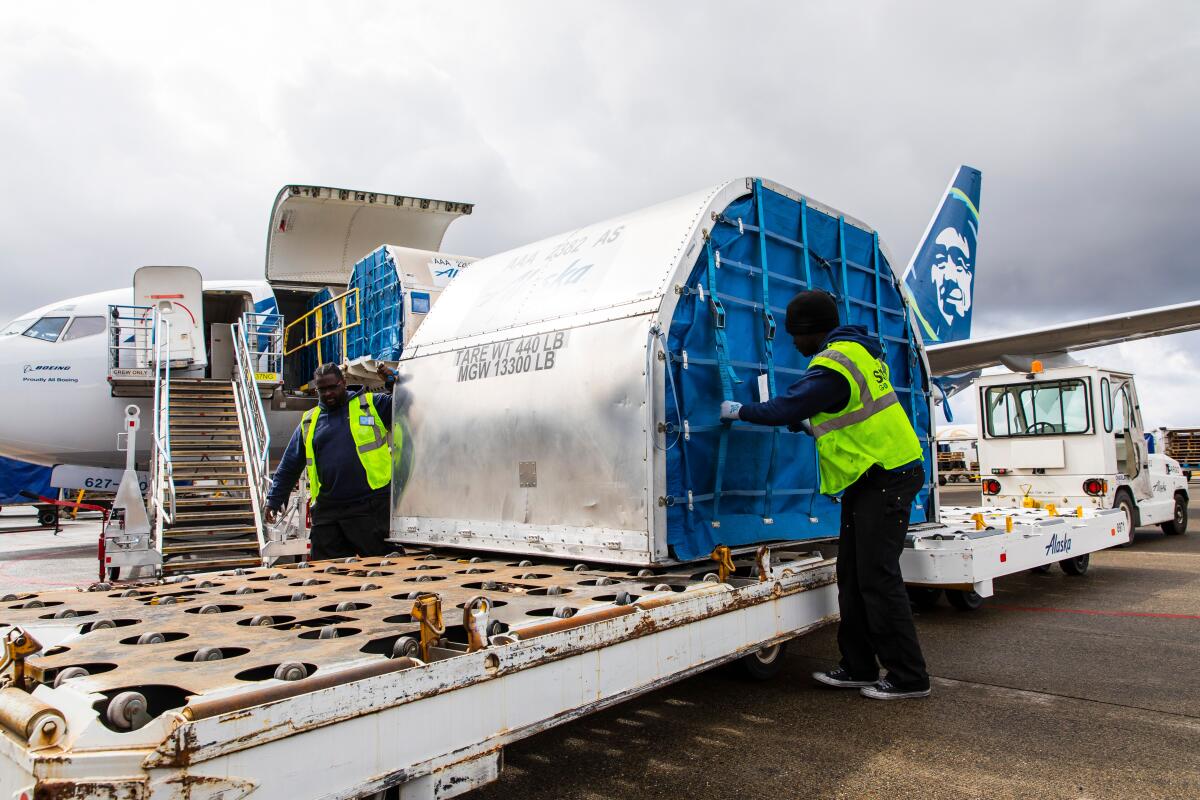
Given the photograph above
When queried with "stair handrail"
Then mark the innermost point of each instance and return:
(130, 338)
(162, 495)
(252, 424)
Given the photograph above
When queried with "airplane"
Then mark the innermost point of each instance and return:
(939, 282)
(67, 382)
(57, 367)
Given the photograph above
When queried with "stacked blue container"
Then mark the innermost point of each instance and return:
(379, 308)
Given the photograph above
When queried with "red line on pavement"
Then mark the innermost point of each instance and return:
(1092, 612)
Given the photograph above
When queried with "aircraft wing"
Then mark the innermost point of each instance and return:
(952, 358)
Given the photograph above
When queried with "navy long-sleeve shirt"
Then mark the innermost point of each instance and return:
(819, 390)
(343, 479)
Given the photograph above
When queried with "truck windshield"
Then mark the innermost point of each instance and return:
(1046, 408)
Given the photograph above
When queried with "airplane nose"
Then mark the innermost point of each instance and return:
(59, 407)
(18, 438)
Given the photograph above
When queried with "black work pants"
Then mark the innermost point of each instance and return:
(351, 529)
(876, 617)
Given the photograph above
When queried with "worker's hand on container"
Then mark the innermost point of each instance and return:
(386, 374)
(803, 426)
(730, 410)
(271, 515)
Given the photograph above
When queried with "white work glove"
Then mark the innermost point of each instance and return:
(730, 410)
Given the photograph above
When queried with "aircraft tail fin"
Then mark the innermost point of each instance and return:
(940, 278)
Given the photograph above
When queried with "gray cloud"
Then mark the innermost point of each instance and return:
(154, 134)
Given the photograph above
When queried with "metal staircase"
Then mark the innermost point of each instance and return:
(215, 524)
(209, 469)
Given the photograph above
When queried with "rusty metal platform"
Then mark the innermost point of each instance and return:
(213, 632)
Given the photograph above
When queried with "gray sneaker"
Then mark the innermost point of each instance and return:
(884, 690)
(838, 677)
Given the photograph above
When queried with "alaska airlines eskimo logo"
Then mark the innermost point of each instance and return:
(1059, 544)
(46, 368)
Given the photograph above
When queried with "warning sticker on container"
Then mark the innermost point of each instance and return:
(510, 357)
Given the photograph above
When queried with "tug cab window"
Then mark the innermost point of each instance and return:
(1044, 408)
(47, 328)
(84, 326)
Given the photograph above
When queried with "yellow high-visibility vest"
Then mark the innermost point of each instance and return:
(370, 439)
(872, 428)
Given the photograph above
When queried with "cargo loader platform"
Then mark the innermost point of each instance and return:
(274, 680)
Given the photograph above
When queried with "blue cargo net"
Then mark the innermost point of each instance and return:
(741, 484)
(379, 292)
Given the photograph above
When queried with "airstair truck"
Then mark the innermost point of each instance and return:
(574, 526)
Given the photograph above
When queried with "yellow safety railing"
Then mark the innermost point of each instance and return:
(315, 334)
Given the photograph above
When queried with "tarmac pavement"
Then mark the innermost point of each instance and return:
(33, 558)
(1058, 687)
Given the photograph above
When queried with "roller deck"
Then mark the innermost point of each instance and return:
(352, 711)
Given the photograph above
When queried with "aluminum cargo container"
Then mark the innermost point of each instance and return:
(566, 394)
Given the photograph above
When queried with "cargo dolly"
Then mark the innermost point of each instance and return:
(972, 547)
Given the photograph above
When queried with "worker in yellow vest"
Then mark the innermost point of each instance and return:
(342, 444)
(868, 453)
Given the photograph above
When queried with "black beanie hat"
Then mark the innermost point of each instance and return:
(811, 312)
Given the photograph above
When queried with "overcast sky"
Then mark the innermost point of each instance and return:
(156, 133)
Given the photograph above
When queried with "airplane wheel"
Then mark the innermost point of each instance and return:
(1177, 526)
(1077, 565)
(964, 601)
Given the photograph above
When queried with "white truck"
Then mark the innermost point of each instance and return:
(1072, 437)
(1065, 472)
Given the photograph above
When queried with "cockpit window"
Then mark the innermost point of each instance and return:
(47, 328)
(84, 326)
(16, 326)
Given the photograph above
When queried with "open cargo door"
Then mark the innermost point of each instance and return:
(317, 233)
(178, 295)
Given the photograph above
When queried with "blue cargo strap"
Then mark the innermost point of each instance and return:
(768, 342)
(727, 375)
(875, 261)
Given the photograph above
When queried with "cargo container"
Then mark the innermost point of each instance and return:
(568, 392)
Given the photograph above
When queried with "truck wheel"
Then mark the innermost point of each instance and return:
(964, 601)
(941, 480)
(1077, 565)
(46, 517)
(1125, 503)
(764, 663)
(1177, 526)
(924, 597)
